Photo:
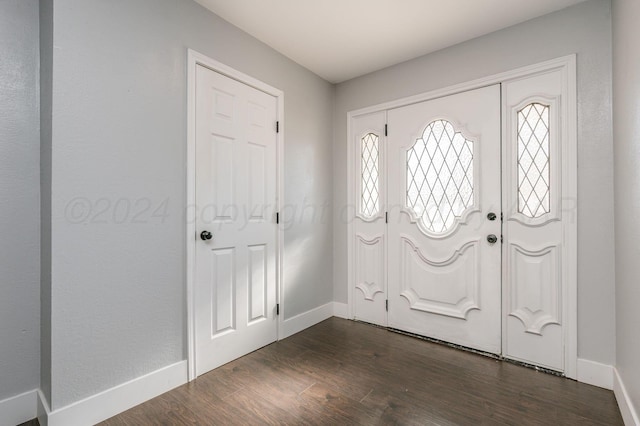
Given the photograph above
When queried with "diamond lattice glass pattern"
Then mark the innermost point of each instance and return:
(370, 191)
(533, 160)
(440, 176)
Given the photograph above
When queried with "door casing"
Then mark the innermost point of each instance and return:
(193, 59)
(567, 66)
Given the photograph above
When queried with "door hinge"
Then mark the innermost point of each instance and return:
(501, 217)
(386, 305)
(501, 239)
(277, 309)
(386, 217)
(385, 130)
(277, 127)
(277, 217)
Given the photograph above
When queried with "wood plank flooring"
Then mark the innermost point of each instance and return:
(342, 372)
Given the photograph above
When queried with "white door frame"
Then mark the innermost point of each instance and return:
(193, 60)
(567, 65)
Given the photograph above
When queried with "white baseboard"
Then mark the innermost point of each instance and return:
(627, 409)
(43, 409)
(304, 320)
(595, 373)
(340, 310)
(18, 409)
(103, 405)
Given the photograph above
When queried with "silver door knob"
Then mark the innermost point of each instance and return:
(492, 239)
(206, 235)
(491, 216)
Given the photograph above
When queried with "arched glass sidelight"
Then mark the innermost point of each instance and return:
(370, 183)
(533, 160)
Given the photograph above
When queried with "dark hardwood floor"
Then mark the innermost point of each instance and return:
(342, 372)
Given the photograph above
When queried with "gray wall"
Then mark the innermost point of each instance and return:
(584, 29)
(626, 134)
(119, 133)
(19, 198)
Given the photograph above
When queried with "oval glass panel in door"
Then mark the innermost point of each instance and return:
(440, 176)
(533, 160)
(370, 177)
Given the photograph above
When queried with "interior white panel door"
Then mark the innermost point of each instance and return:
(444, 249)
(235, 289)
(534, 224)
(369, 269)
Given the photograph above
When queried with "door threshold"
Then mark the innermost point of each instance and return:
(468, 349)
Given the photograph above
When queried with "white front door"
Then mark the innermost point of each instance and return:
(444, 229)
(235, 271)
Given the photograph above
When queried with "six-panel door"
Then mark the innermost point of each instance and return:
(235, 291)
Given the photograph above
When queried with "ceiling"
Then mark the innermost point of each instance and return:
(343, 39)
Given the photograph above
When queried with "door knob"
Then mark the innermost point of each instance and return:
(206, 235)
(492, 238)
(491, 216)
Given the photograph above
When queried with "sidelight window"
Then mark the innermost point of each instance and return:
(533, 160)
(370, 177)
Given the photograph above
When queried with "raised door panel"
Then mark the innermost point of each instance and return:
(258, 283)
(370, 292)
(535, 287)
(223, 291)
(448, 287)
(370, 270)
(222, 178)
